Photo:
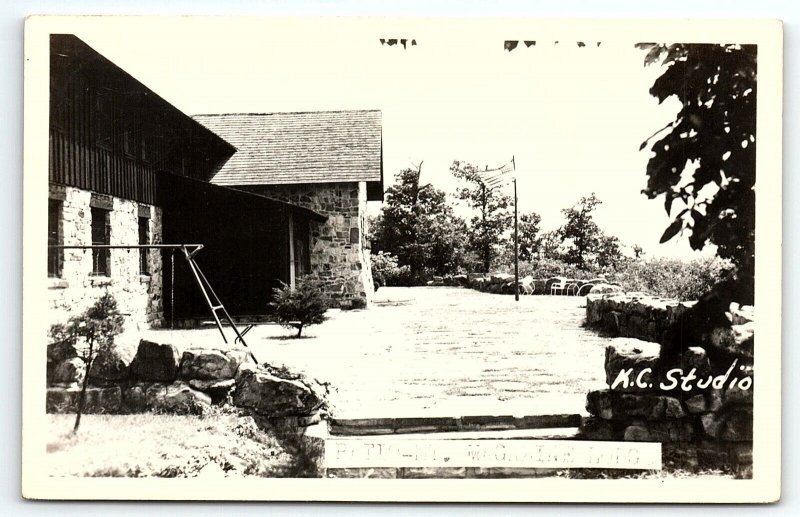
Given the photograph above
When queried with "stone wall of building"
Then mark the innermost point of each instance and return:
(138, 296)
(338, 249)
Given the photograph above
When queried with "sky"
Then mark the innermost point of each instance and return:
(572, 117)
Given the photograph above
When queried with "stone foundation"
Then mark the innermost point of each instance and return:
(138, 296)
(338, 249)
(704, 423)
(165, 378)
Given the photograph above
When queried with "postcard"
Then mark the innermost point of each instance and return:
(402, 259)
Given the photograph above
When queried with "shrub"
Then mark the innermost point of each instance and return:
(387, 272)
(90, 332)
(300, 307)
(672, 278)
(549, 268)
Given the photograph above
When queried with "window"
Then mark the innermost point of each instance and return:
(144, 238)
(101, 234)
(55, 256)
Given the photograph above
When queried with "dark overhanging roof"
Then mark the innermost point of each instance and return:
(169, 183)
(299, 147)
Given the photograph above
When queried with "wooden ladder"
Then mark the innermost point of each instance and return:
(214, 303)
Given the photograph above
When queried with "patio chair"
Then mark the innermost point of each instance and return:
(572, 289)
(587, 287)
(526, 286)
(558, 287)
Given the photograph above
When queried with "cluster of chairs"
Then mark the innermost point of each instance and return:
(562, 286)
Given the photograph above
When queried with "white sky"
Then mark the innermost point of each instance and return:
(573, 117)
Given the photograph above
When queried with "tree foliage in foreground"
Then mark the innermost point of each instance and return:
(714, 131)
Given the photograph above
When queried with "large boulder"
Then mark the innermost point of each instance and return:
(460, 280)
(259, 389)
(217, 389)
(741, 314)
(633, 357)
(611, 405)
(735, 425)
(98, 400)
(156, 362)
(61, 351)
(68, 371)
(112, 364)
(210, 364)
(737, 340)
(501, 278)
(659, 431)
(134, 397)
(177, 397)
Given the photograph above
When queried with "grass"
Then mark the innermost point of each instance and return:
(153, 445)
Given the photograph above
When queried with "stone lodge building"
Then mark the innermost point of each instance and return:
(330, 162)
(128, 168)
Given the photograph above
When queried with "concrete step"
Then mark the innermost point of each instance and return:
(439, 425)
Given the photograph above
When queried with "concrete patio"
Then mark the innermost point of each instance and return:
(439, 351)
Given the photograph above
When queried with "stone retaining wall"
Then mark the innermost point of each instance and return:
(161, 377)
(701, 424)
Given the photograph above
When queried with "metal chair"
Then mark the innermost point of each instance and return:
(558, 287)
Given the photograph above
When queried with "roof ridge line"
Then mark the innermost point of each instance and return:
(283, 112)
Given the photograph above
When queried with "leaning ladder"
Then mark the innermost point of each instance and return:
(214, 303)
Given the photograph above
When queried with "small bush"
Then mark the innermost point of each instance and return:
(300, 307)
(387, 272)
(90, 332)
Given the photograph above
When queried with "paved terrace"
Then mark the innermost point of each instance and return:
(441, 351)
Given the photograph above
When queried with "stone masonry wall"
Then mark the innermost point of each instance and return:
(138, 296)
(696, 401)
(165, 377)
(339, 254)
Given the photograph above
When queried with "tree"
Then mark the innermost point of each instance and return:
(587, 246)
(714, 131)
(90, 332)
(549, 246)
(609, 252)
(529, 235)
(418, 226)
(488, 229)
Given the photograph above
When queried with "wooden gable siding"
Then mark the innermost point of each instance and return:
(111, 134)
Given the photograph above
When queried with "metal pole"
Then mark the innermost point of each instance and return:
(197, 247)
(516, 246)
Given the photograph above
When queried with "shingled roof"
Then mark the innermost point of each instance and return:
(300, 147)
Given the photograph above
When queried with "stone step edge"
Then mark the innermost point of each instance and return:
(379, 426)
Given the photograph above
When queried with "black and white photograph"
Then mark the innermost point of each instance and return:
(485, 253)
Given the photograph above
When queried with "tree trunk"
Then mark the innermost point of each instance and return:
(82, 396)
